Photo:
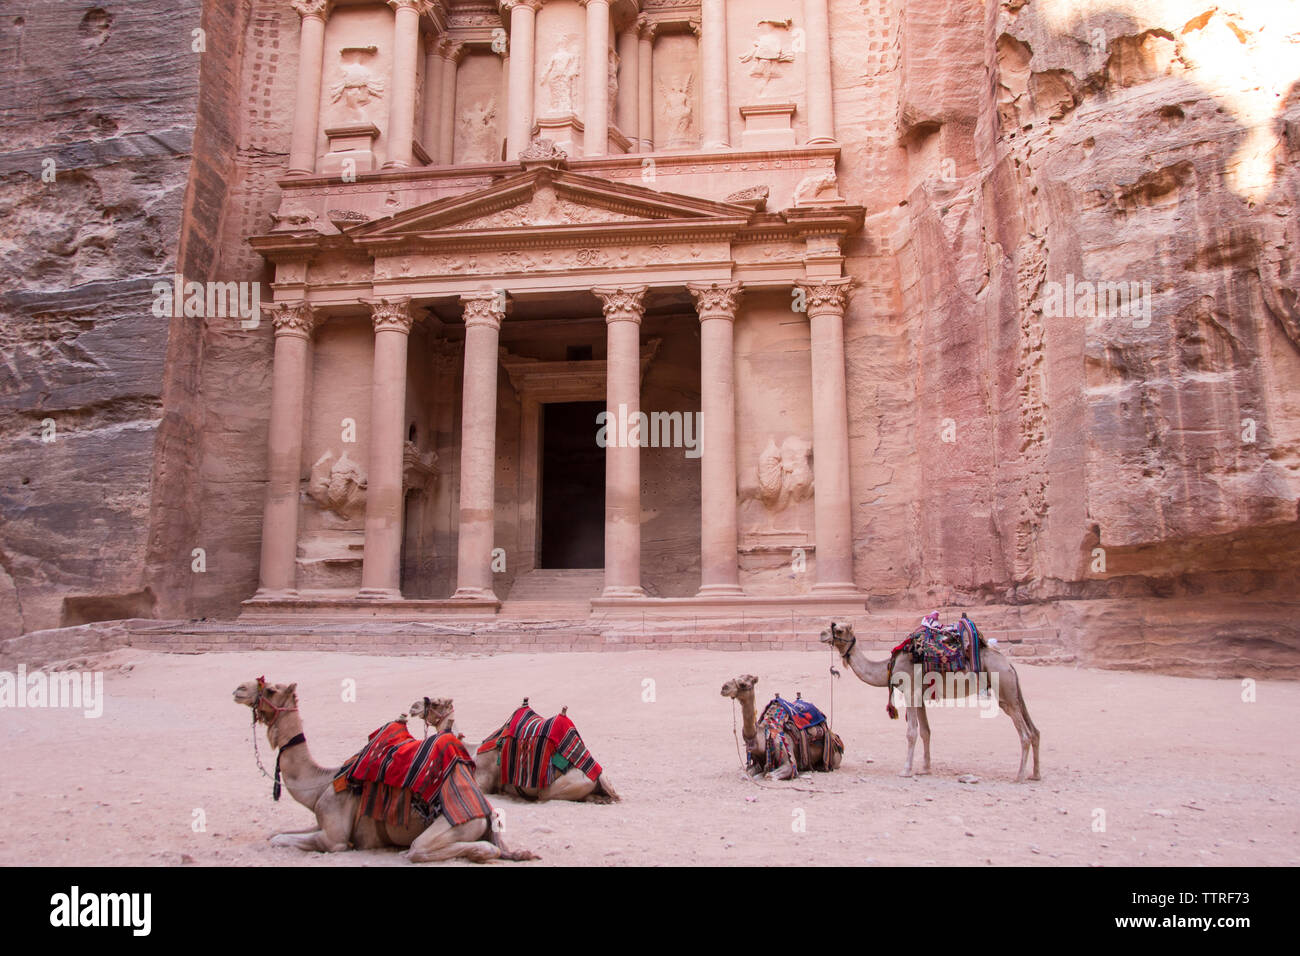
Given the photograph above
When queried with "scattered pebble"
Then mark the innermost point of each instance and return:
(1162, 813)
(968, 778)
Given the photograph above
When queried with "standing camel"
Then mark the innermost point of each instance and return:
(793, 759)
(338, 825)
(900, 670)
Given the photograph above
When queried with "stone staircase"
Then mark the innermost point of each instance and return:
(554, 593)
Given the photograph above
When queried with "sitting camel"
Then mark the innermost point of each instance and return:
(795, 751)
(580, 777)
(339, 825)
(900, 670)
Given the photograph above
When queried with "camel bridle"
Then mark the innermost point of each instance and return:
(258, 702)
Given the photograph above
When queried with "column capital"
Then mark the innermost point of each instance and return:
(646, 28)
(583, 3)
(422, 7)
(622, 303)
(826, 295)
(391, 315)
(716, 300)
(312, 8)
(508, 6)
(483, 309)
(449, 49)
(292, 318)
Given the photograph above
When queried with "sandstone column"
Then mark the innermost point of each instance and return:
(595, 78)
(629, 78)
(719, 572)
(645, 90)
(451, 52)
(478, 446)
(623, 311)
(293, 323)
(833, 508)
(523, 24)
(817, 62)
(406, 52)
(713, 73)
(381, 559)
(432, 100)
(306, 110)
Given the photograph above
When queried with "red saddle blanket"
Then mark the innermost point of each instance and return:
(395, 772)
(536, 751)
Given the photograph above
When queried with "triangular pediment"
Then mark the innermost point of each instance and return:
(550, 199)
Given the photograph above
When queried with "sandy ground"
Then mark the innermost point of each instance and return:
(1184, 770)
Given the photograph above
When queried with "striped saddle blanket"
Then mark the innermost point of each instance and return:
(791, 728)
(534, 752)
(395, 773)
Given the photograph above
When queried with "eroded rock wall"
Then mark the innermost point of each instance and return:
(1097, 452)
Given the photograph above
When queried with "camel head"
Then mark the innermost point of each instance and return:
(437, 712)
(840, 637)
(267, 701)
(739, 687)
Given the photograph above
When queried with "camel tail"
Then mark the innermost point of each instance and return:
(890, 709)
(1024, 711)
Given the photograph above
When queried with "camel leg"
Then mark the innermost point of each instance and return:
(604, 792)
(442, 841)
(1013, 711)
(923, 722)
(573, 784)
(913, 726)
(786, 771)
(315, 841)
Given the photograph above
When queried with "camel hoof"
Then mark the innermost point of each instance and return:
(923, 772)
(905, 773)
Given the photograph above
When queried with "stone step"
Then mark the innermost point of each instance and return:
(569, 585)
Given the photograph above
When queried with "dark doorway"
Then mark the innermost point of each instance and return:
(573, 487)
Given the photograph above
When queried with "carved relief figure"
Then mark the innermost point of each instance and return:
(785, 474)
(561, 75)
(338, 485)
(358, 85)
(817, 187)
(771, 48)
(479, 123)
(614, 61)
(679, 107)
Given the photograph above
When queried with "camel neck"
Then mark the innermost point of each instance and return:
(749, 721)
(869, 671)
(305, 779)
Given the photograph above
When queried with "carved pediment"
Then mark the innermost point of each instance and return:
(569, 205)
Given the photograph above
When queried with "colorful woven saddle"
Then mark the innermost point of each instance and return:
(946, 649)
(395, 773)
(534, 752)
(791, 727)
